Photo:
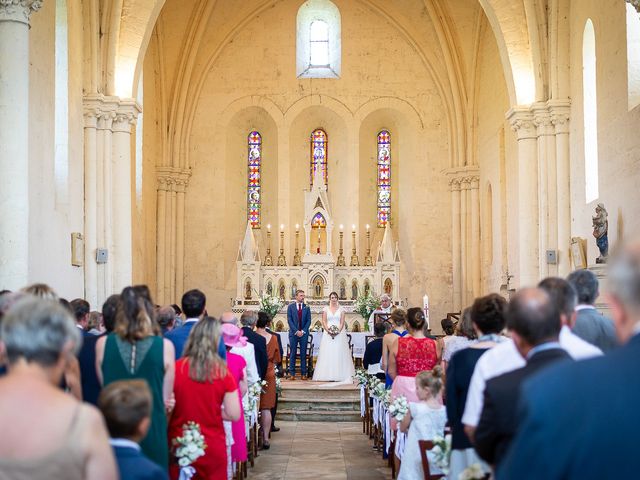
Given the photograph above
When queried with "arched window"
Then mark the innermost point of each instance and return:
(253, 182)
(590, 103)
(318, 43)
(384, 178)
(61, 125)
(633, 55)
(318, 155)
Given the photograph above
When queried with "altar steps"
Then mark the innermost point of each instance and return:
(309, 402)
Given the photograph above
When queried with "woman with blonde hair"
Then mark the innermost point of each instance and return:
(135, 351)
(203, 386)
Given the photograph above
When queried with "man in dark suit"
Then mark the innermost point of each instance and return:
(581, 420)
(194, 307)
(126, 407)
(534, 322)
(81, 310)
(299, 320)
(248, 321)
(590, 324)
(87, 354)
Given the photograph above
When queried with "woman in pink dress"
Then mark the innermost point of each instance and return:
(232, 337)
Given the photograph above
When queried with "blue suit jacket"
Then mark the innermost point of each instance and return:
(133, 465)
(179, 337)
(580, 420)
(292, 318)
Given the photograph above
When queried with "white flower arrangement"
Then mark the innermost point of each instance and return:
(278, 381)
(399, 408)
(365, 305)
(361, 377)
(472, 472)
(250, 402)
(442, 452)
(188, 448)
(271, 304)
(333, 331)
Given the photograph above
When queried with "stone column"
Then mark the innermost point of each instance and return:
(560, 119)
(91, 114)
(464, 241)
(474, 185)
(521, 120)
(182, 181)
(121, 194)
(161, 210)
(455, 244)
(14, 141)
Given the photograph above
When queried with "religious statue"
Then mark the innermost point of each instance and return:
(269, 289)
(354, 290)
(343, 290)
(247, 290)
(601, 232)
(367, 289)
(282, 290)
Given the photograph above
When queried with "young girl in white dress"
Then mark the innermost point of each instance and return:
(335, 363)
(425, 420)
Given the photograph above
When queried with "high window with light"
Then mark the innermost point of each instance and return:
(253, 184)
(318, 42)
(384, 178)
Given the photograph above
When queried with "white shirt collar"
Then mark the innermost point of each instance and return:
(585, 306)
(190, 320)
(124, 442)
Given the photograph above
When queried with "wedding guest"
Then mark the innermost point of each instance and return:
(425, 420)
(94, 323)
(248, 321)
(534, 322)
(580, 420)
(398, 320)
(232, 337)
(178, 311)
(386, 306)
(136, 351)
(464, 336)
(373, 352)
(81, 310)
(505, 357)
(166, 317)
(279, 373)
(268, 397)
(246, 351)
(591, 325)
(203, 386)
(126, 407)
(488, 317)
(46, 434)
(410, 355)
(71, 379)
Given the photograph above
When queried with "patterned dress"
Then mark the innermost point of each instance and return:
(414, 355)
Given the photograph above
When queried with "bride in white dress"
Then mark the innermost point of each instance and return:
(335, 363)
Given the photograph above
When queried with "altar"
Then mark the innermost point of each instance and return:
(321, 269)
(358, 342)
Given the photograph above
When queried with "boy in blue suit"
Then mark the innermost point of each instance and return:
(126, 406)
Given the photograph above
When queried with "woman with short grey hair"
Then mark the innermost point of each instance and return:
(46, 433)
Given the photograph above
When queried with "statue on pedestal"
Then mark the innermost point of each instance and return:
(600, 232)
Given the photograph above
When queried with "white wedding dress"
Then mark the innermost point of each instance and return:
(335, 363)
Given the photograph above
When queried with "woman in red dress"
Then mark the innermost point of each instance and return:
(204, 385)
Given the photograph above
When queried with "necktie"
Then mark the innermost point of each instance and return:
(299, 316)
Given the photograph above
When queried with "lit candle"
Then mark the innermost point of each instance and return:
(282, 227)
(297, 227)
(268, 227)
(353, 227)
(367, 227)
(341, 227)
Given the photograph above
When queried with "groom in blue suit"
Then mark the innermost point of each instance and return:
(299, 319)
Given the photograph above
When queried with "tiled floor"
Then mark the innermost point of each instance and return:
(320, 450)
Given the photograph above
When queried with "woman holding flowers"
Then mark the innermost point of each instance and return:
(206, 394)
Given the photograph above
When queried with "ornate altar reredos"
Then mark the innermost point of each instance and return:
(318, 271)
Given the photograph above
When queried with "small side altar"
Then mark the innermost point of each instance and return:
(319, 271)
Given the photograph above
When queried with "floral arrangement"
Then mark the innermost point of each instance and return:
(270, 304)
(442, 452)
(473, 472)
(377, 389)
(188, 448)
(365, 305)
(333, 331)
(278, 381)
(399, 408)
(361, 377)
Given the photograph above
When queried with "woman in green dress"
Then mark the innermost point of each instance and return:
(136, 351)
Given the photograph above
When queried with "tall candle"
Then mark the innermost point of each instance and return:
(425, 306)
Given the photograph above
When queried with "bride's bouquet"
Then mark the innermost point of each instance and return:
(188, 448)
(333, 331)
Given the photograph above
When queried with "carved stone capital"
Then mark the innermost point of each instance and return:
(173, 179)
(18, 10)
(126, 115)
(522, 122)
(560, 115)
(454, 184)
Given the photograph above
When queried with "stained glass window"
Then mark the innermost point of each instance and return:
(318, 221)
(318, 154)
(253, 182)
(384, 178)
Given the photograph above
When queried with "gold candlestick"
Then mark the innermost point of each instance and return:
(268, 261)
(296, 257)
(282, 261)
(355, 262)
(341, 262)
(368, 261)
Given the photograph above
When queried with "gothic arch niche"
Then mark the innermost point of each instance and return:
(388, 287)
(342, 290)
(317, 286)
(318, 234)
(282, 289)
(269, 287)
(366, 290)
(247, 289)
(356, 326)
(354, 289)
(294, 288)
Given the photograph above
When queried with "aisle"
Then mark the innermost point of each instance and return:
(319, 450)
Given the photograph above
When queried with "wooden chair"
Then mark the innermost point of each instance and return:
(350, 343)
(309, 357)
(425, 446)
(369, 338)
